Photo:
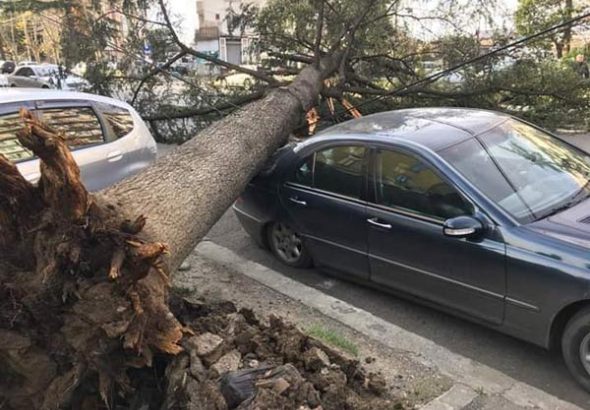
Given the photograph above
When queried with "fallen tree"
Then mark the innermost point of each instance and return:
(84, 279)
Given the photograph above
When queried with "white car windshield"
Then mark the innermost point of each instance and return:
(45, 71)
(526, 171)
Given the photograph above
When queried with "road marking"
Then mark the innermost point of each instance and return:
(469, 375)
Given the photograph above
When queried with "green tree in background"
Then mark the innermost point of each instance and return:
(535, 15)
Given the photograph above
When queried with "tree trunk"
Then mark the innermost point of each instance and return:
(188, 190)
(83, 286)
(558, 49)
(567, 34)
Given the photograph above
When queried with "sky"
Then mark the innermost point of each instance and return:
(185, 12)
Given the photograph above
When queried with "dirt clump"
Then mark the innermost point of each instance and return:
(293, 370)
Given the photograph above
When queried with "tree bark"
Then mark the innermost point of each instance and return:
(84, 278)
(188, 190)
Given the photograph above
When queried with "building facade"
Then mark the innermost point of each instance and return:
(215, 36)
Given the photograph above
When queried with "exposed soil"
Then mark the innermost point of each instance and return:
(287, 369)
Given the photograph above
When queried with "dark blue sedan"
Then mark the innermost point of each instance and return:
(473, 211)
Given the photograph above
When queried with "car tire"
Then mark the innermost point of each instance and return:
(287, 246)
(575, 345)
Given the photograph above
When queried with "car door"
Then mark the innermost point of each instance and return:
(25, 77)
(128, 137)
(409, 204)
(102, 161)
(324, 197)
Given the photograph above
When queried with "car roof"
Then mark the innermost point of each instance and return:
(12, 95)
(435, 128)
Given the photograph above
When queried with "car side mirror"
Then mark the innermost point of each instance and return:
(463, 227)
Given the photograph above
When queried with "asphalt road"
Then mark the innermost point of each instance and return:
(522, 361)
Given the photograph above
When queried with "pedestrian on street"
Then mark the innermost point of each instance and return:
(582, 67)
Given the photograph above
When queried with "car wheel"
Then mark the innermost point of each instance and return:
(575, 346)
(287, 246)
(45, 86)
(13, 85)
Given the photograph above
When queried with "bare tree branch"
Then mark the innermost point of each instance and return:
(155, 71)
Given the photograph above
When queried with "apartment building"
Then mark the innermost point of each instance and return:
(214, 35)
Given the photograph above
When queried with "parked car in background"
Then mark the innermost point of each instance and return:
(475, 212)
(236, 79)
(32, 76)
(46, 76)
(64, 79)
(108, 139)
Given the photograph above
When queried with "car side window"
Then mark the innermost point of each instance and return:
(304, 174)
(80, 125)
(10, 147)
(406, 182)
(340, 170)
(118, 118)
(25, 72)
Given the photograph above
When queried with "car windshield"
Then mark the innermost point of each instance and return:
(526, 171)
(45, 71)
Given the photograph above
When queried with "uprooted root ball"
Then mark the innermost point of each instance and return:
(82, 295)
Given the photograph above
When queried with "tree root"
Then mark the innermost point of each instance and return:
(83, 296)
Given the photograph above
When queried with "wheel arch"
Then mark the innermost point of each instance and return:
(561, 320)
(264, 234)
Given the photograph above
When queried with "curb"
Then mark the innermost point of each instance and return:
(471, 378)
(458, 397)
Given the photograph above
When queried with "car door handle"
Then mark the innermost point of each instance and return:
(297, 201)
(114, 156)
(373, 221)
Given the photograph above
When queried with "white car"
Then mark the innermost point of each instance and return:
(32, 76)
(108, 138)
(67, 82)
(45, 76)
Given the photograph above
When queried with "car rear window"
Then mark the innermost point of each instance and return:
(10, 124)
(80, 125)
(340, 170)
(118, 118)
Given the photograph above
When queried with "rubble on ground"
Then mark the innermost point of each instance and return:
(236, 362)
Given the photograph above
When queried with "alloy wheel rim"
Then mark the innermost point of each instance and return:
(585, 353)
(286, 242)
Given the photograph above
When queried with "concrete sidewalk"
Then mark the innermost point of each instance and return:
(474, 385)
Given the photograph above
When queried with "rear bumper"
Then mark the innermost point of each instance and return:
(252, 225)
